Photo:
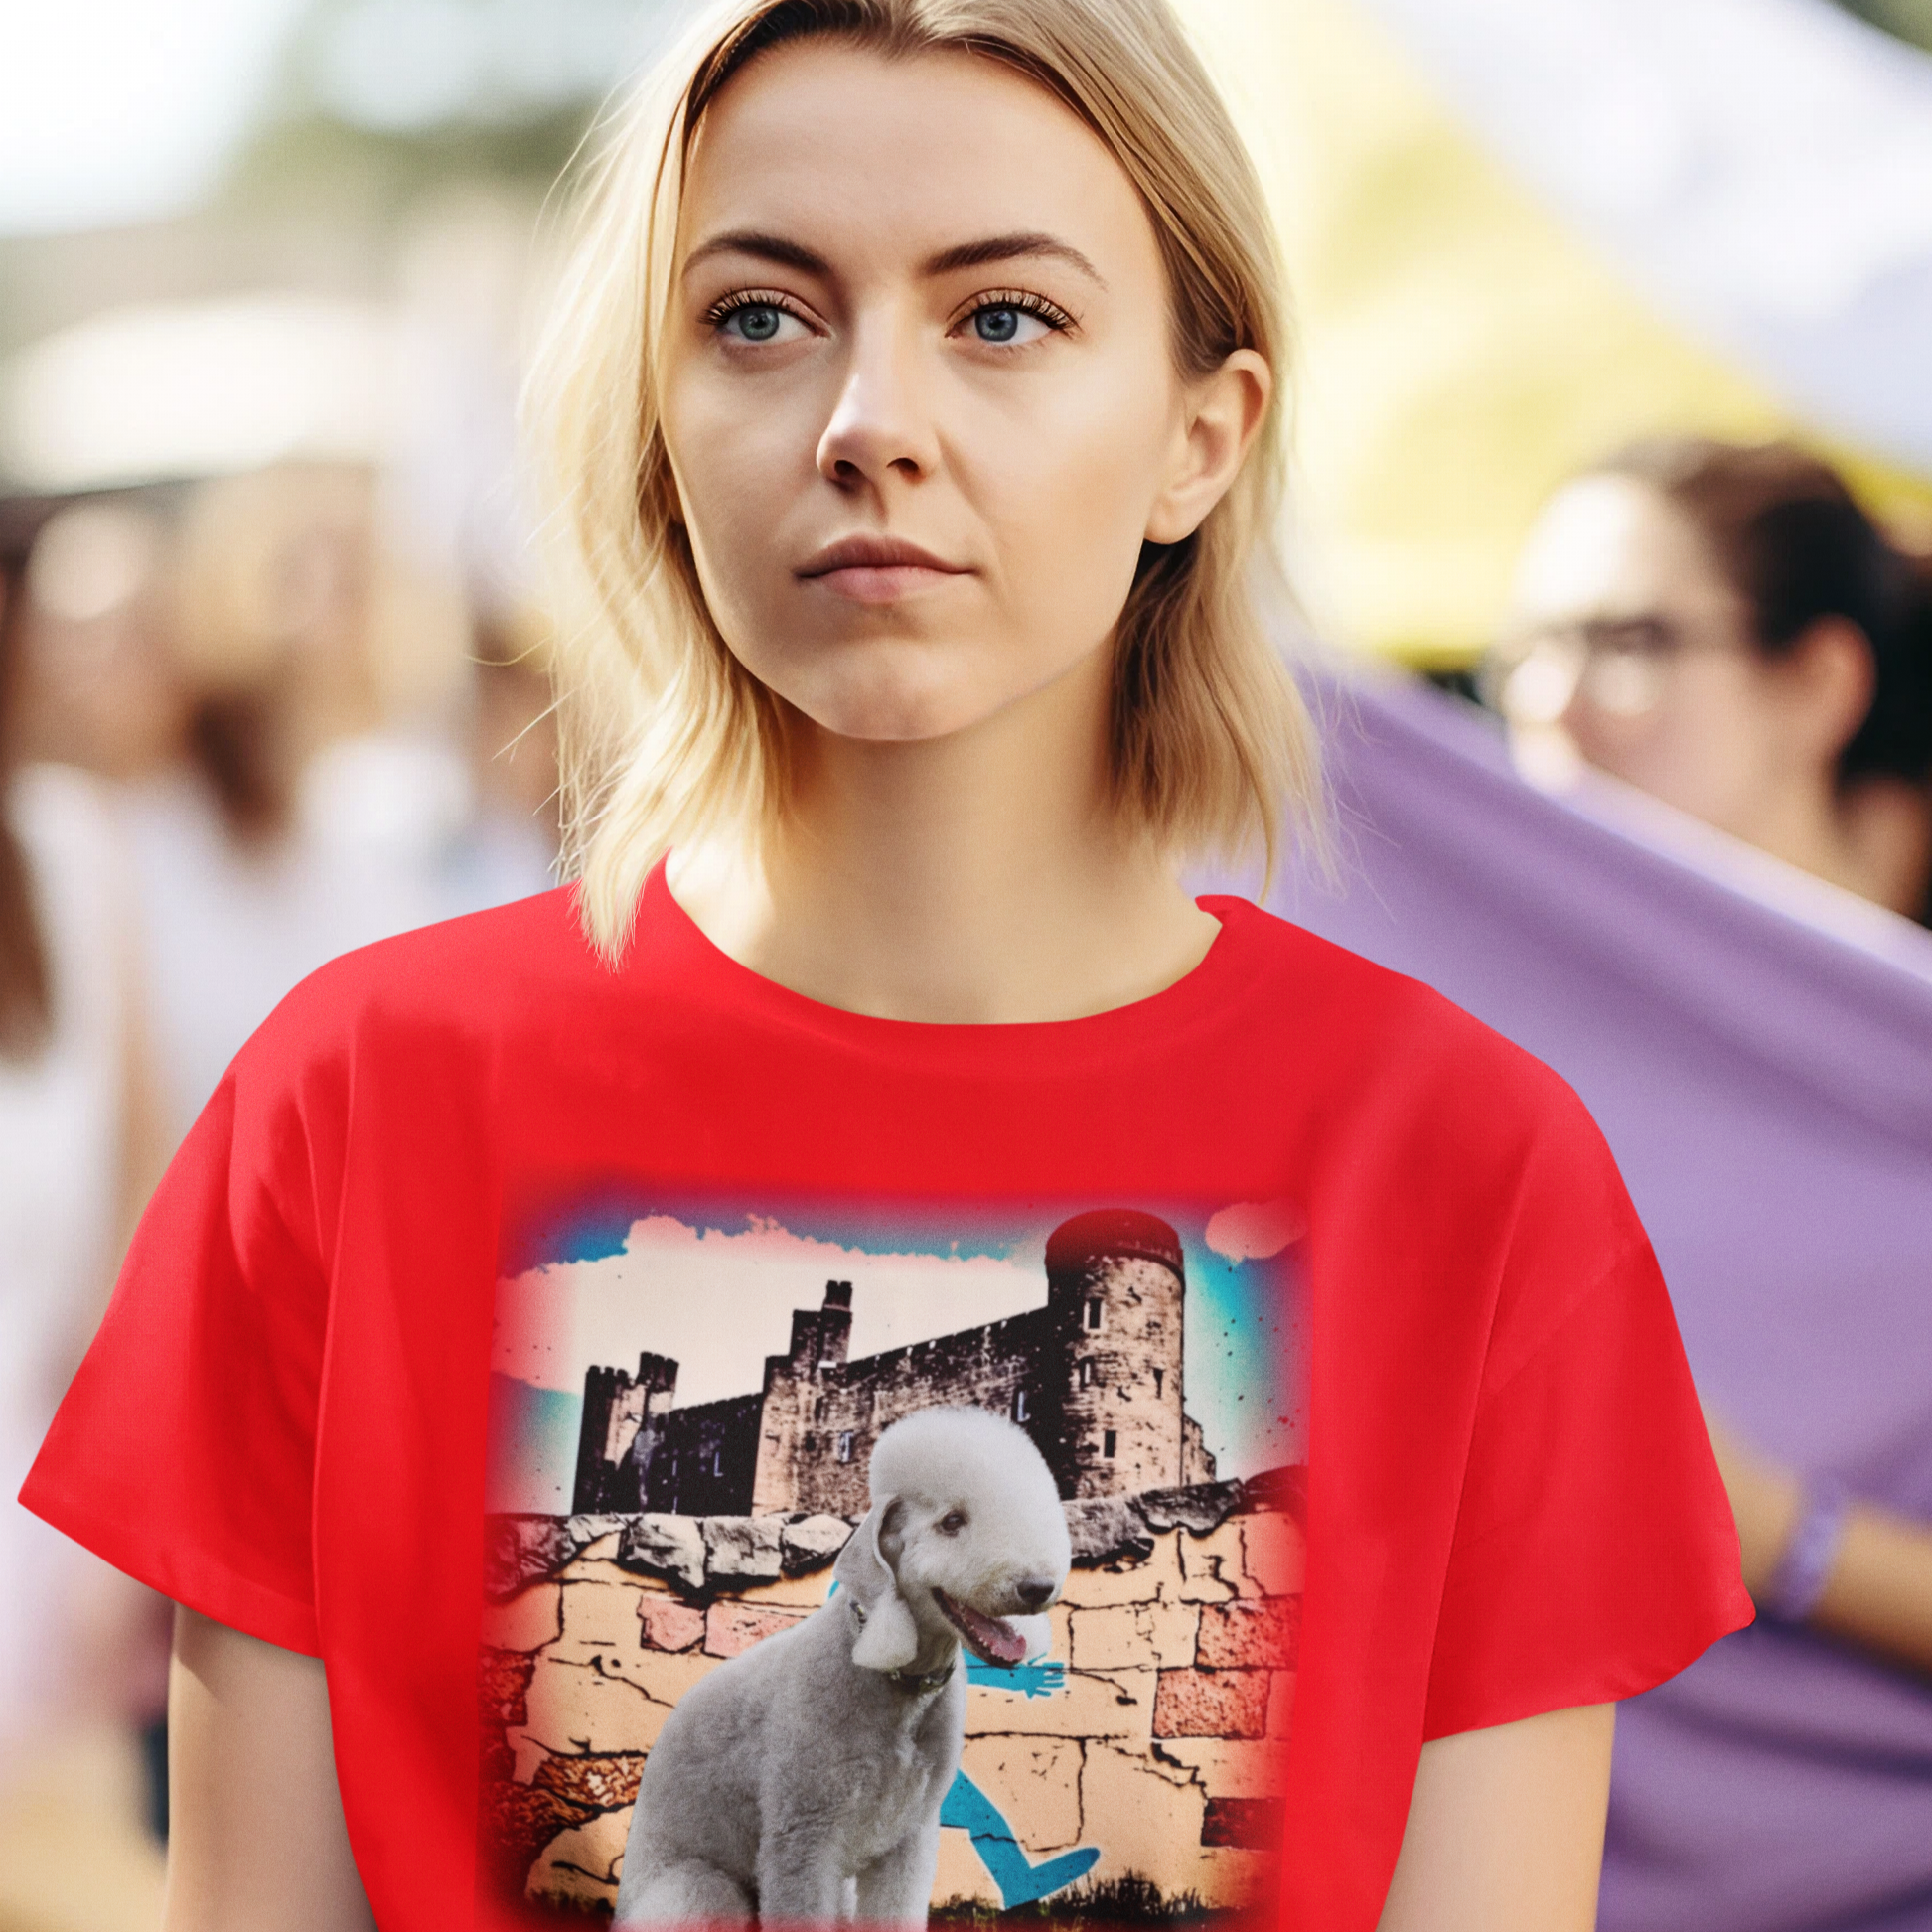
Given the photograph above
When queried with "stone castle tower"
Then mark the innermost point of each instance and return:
(1111, 1419)
(626, 1423)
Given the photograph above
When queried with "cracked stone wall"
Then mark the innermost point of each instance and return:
(1154, 1732)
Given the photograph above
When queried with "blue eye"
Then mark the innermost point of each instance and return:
(1003, 325)
(755, 322)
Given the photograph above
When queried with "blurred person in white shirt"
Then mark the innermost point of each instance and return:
(80, 1143)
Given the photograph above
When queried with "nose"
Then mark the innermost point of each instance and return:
(1034, 1592)
(879, 427)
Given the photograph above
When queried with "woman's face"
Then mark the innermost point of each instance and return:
(100, 684)
(918, 394)
(1627, 640)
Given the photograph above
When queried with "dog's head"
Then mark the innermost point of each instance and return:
(966, 1539)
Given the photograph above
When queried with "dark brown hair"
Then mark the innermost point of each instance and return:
(238, 741)
(26, 981)
(1792, 541)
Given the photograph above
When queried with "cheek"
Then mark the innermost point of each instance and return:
(939, 1562)
(733, 471)
(1068, 490)
(1695, 748)
(1659, 751)
(1614, 743)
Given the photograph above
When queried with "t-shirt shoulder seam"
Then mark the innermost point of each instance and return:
(1579, 1301)
(1399, 994)
(1566, 1312)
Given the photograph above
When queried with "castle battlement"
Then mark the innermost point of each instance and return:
(1094, 1376)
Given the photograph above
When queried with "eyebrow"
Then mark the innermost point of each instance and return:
(1010, 248)
(766, 248)
(967, 255)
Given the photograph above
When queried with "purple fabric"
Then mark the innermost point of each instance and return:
(1767, 1086)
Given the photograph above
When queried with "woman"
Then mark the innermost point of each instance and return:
(1721, 626)
(78, 1153)
(275, 593)
(1724, 627)
(915, 407)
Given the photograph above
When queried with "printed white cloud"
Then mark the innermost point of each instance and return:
(1252, 1231)
(720, 1302)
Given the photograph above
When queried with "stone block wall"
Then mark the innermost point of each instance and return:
(1154, 1732)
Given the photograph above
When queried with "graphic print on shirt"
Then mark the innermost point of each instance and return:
(684, 1399)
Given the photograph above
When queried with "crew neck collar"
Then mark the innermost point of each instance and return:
(1204, 989)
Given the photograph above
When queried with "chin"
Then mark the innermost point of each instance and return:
(893, 710)
(910, 726)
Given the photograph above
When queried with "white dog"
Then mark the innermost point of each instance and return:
(801, 1781)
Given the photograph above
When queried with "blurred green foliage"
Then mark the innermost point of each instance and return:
(1911, 20)
(383, 98)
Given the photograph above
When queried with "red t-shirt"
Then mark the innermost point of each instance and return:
(512, 1333)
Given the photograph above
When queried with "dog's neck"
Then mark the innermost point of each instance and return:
(919, 1683)
(933, 1664)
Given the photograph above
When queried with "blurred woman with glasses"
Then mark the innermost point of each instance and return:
(1724, 627)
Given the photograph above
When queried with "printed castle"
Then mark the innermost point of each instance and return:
(1094, 1376)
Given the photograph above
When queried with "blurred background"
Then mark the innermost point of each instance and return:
(273, 671)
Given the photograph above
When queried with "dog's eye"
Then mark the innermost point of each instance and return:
(953, 1522)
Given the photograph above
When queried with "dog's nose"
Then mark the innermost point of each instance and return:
(1034, 1593)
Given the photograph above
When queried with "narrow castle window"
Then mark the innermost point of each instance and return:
(844, 1445)
(818, 1410)
(1093, 1311)
(1160, 1375)
(1086, 1375)
(1019, 1406)
(717, 1460)
(1106, 1443)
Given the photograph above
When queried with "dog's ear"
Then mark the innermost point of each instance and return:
(889, 1639)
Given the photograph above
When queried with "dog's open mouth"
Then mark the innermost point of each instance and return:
(990, 1639)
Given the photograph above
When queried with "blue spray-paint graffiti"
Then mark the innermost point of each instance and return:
(1019, 1880)
(1031, 1680)
(967, 1808)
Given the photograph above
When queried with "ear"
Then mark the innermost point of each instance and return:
(1832, 676)
(1221, 414)
(889, 1640)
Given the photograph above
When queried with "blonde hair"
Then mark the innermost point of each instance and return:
(664, 735)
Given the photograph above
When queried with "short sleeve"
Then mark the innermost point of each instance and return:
(1594, 1552)
(183, 1451)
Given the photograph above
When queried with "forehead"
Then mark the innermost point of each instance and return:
(1612, 544)
(857, 153)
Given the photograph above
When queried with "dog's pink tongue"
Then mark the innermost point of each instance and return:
(993, 1636)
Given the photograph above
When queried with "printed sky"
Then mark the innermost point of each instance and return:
(716, 1293)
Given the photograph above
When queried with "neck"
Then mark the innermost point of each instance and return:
(1885, 833)
(976, 878)
(1874, 838)
(938, 1658)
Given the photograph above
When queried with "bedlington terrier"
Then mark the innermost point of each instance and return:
(800, 1781)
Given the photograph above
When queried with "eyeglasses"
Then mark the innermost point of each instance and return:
(1620, 664)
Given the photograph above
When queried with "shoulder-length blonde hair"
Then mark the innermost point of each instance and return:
(665, 737)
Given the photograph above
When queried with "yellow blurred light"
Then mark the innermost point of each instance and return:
(193, 389)
(1460, 351)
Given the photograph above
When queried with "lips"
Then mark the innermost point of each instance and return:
(875, 553)
(990, 1639)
